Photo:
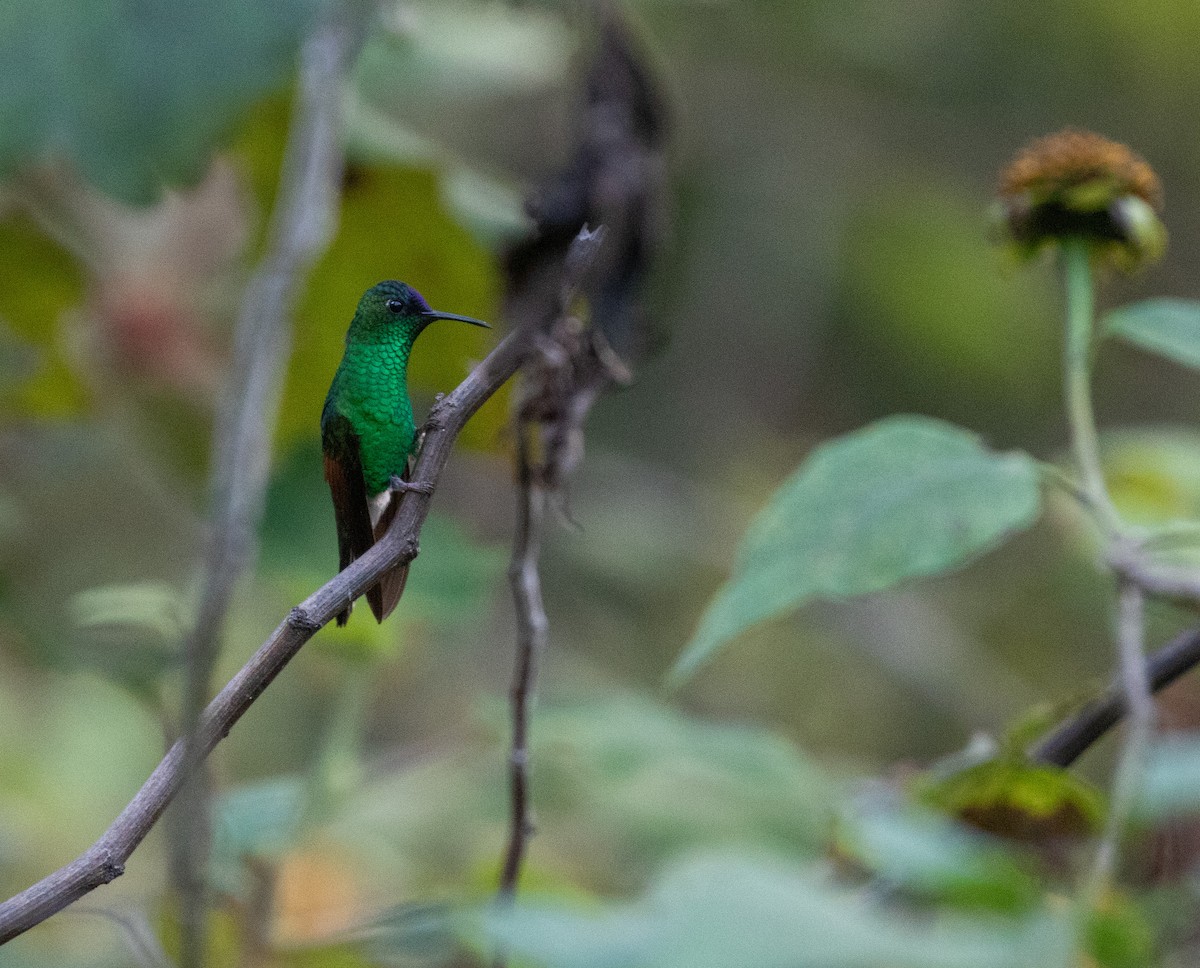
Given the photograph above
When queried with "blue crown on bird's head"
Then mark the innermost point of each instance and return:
(399, 301)
(411, 302)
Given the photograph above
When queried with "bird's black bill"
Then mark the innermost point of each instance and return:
(434, 314)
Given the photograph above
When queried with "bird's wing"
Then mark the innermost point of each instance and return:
(344, 474)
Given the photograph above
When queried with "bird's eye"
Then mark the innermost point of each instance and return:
(394, 305)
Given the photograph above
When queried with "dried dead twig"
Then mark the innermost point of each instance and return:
(580, 290)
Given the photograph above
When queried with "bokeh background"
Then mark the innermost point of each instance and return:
(828, 262)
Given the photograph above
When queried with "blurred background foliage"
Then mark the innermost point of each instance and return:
(829, 264)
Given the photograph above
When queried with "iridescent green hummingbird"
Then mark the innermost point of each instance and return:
(368, 433)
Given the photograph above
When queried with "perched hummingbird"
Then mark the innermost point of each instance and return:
(368, 434)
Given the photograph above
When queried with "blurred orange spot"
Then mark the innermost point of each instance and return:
(316, 896)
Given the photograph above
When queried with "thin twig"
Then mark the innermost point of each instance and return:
(532, 631)
(548, 402)
(616, 181)
(105, 859)
(1164, 582)
(301, 227)
(1072, 738)
(1130, 625)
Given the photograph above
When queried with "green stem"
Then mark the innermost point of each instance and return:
(1077, 378)
(1174, 533)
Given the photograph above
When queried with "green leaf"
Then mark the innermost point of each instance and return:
(1169, 327)
(933, 857)
(1172, 781)
(1118, 934)
(137, 95)
(902, 498)
(41, 282)
(623, 786)
(1153, 473)
(727, 912)
(1016, 799)
(151, 605)
(131, 632)
(452, 51)
(260, 820)
(412, 934)
(633, 772)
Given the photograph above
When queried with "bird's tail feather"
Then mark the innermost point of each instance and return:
(383, 596)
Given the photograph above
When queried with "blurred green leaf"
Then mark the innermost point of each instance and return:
(623, 785)
(130, 632)
(41, 282)
(481, 84)
(1172, 782)
(1153, 473)
(259, 820)
(932, 857)
(137, 96)
(1018, 800)
(655, 781)
(1118, 935)
(726, 912)
(1169, 327)
(152, 605)
(411, 934)
(902, 498)
(493, 211)
(431, 50)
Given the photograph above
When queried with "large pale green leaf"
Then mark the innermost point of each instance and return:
(137, 95)
(1169, 327)
(905, 497)
(727, 912)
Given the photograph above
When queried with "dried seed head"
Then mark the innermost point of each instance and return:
(1076, 184)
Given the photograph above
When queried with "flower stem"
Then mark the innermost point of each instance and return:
(1077, 376)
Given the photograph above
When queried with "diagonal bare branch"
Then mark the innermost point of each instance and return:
(1063, 745)
(105, 859)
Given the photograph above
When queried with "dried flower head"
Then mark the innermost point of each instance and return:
(1076, 184)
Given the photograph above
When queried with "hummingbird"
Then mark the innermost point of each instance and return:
(368, 435)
